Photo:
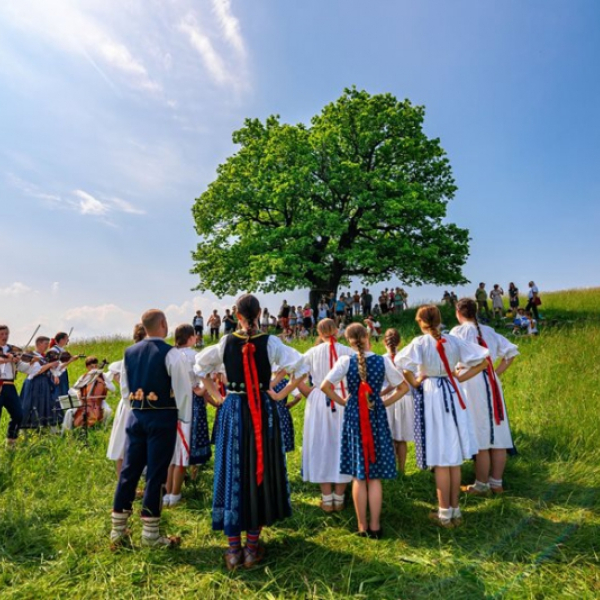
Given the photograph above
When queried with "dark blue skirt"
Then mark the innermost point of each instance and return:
(39, 404)
(200, 450)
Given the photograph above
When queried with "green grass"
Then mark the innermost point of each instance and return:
(541, 540)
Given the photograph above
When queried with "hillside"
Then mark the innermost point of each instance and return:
(540, 540)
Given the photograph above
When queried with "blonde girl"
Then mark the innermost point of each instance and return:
(367, 452)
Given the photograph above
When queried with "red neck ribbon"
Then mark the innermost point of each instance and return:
(222, 389)
(496, 397)
(442, 353)
(333, 356)
(366, 433)
(254, 402)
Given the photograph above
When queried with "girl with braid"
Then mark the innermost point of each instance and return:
(444, 435)
(321, 442)
(483, 395)
(367, 452)
(401, 415)
(251, 487)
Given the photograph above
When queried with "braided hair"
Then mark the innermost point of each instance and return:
(429, 318)
(392, 340)
(357, 337)
(248, 306)
(467, 308)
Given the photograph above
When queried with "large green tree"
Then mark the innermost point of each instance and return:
(361, 192)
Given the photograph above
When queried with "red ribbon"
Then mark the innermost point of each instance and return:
(366, 433)
(496, 397)
(440, 348)
(254, 402)
(185, 446)
(333, 356)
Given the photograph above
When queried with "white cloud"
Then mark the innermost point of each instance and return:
(103, 320)
(203, 45)
(88, 205)
(54, 288)
(16, 289)
(126, 207)
(230, 25)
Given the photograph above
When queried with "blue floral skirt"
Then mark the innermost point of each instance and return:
(200, 450)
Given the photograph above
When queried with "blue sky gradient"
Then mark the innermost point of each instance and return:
(114, 117)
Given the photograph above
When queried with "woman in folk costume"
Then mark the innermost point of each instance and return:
(58, 345)
(251, 488)
(367, 451)
(321, 442)
(37, 394)
(279, 383)
(444, 435)
(116, 443)
(401, 415)
(485, 399)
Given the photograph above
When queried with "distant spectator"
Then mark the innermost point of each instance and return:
(265, 320)
(447, 299)
(229, 323)
(453, 299)
(308, 318)
(340, 309)
(513, 296)
(373, 327)
(284, 315)
(349, 303)
(398, 300)
(292, 320)
(198, 323)
(323, 310)
(481, 299)
(383, 302)
(497, 304)
(214, 323)
(534, 300)
(356, 303)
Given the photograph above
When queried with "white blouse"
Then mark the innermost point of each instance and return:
(497, 344)
(317, 360)
(421, 355)
(393, 376)
(210, 359)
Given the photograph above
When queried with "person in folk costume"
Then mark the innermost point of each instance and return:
(484, 396)
(155, 379)
(367, 450)
(250, 477)
(10, 365)
(188, 441)
(279, 382)
(37, 394)
(401, 415)
(58, 345)
(322, 438)
(95, 395)
(118, 436)
(444, 434)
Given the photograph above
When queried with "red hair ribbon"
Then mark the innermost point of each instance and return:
(254, 402)
(442, 353)
(496, 398)
(366, 433)
(333, 356)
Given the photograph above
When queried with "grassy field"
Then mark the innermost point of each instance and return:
(540, 540)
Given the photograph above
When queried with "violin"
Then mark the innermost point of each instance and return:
(22, 355)
(63, 356)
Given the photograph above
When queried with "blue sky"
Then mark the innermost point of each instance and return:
(114, 116)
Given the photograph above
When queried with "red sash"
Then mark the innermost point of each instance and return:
(440, 348)
(366, 433)
(333, 356)
(254, 402)
(185, 445)
(496, 397)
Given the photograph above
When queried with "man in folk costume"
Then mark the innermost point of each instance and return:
(155, 379)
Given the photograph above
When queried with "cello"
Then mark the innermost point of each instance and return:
(93, 393)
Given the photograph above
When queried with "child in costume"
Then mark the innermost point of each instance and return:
(444, 435)
(484, 396)
(367, 451)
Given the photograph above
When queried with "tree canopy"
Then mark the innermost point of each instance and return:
(361, 192)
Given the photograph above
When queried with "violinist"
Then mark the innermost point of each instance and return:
(10, 364)
(57, 351)
(98, 410)
(37, 395)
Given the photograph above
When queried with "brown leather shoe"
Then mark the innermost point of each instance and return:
(473, 491)
(328, 507)
(252, 558)
(233, 559)
(497, 490)
(434, 517)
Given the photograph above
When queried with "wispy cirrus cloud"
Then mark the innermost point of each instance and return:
(230, 25)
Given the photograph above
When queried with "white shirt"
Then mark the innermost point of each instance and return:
(180, 381)
(110, 386)
(497, 344)
(392, 375)
(7, 370)
(533, 290)
(211, 359)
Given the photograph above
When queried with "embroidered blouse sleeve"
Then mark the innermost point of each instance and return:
(339, 370)
(180, 382)
(409, 358)
(286, 357)
(393, 376)
(471, 354)
(210, 359)
(506, 349)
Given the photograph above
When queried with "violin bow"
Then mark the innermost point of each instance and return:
(71, 331)
(31, 338)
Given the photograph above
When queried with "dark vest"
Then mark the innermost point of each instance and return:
(147, 377)
(233, 360)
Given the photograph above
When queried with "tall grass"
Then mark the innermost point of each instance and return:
(541, 540)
